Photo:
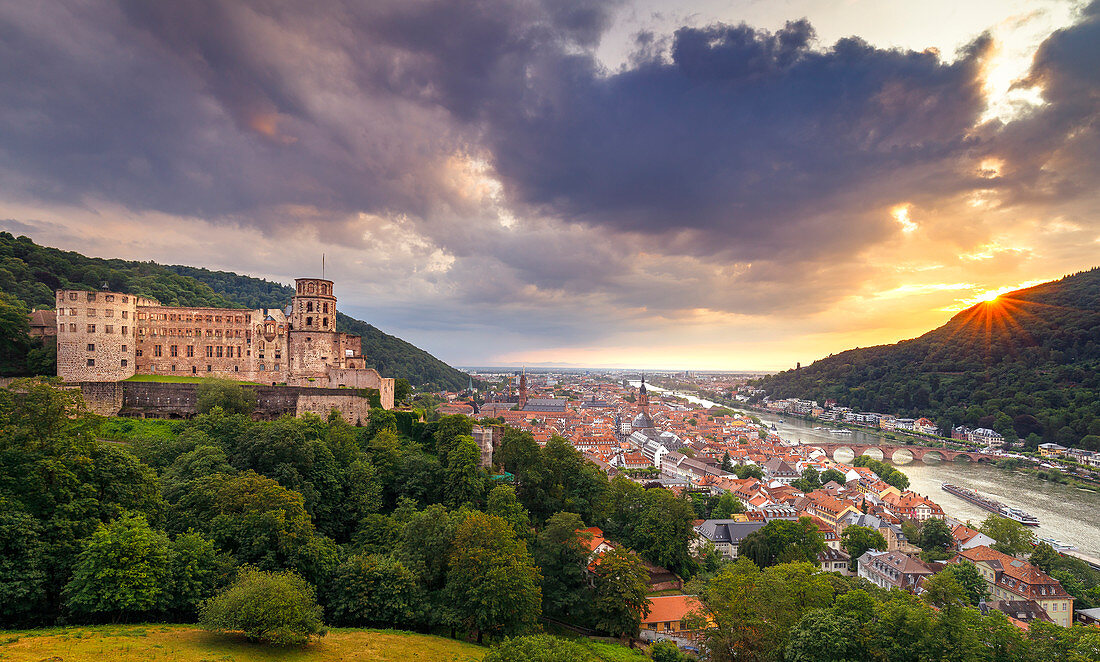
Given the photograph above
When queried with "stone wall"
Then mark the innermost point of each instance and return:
(353, 408)
(103, 398)
(96, 333)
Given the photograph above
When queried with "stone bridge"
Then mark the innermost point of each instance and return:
(902, 454)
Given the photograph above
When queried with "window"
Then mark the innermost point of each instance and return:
(72, 311)
(209, 368)
(261, 367)
(91, 328)
(236, 368)
(324, 307)
(173, 367)
(125, 299)
(125, 314)
(209, 351)
(309, 321)
(138, 353)
(124, 348)
(107, 328)
(309, 307)
(219, 351)
(91, 347)
(174, 350)
(124, 330)
(109, 312)
(91, 363)
(157, 350)
(324, 322)
(124, 362)
(91, 312)
(72, 328)
(275, 367)
(194, 370)
(72, 296)
(109, 297)
(91, 297)
(190, 350)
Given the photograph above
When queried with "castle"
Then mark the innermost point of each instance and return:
(112, 336)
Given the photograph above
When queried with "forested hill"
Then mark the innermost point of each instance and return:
(31, 273)
(1026, 364)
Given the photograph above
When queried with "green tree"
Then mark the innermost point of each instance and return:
(858, 539)
(15, 340)
(728, 504)
(666, 651)
(22, 571)
(274, 607)
(621, 587)
(969, 579)
(809, 481)
(782, 541)
(825, 635)
(935, 536)
(832, 475)
(196, 570)
(492, 585)
(1044, 557)
(1011, 537)
(744, 471)
(537, 648)
(466, 482)
(230, 396)
(401, 389)
(122, 570)
(448, 430)
(727, 464)
(503, 503)
(561, 552)
(374, 590)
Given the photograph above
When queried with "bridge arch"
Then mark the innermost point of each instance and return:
(840, 452)
(902, 456)
(932, 456)
(874, 452)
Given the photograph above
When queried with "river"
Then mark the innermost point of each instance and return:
(1066, 513)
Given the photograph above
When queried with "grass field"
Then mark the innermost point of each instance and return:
(179, 379)
(185, 643)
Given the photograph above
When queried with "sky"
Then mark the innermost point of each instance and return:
(653, 184)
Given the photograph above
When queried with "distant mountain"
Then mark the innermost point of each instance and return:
(32, 273)
(1026, 364)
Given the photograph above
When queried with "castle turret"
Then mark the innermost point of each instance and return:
(314, 305)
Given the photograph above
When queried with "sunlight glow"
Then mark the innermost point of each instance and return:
(901, 215)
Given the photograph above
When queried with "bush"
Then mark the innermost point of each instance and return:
(275, 607)
(666, 651)
(537, 648)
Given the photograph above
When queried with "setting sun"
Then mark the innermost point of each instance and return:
(990, 297)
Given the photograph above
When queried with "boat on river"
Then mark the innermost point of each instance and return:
(1058, 545)
(992, 505)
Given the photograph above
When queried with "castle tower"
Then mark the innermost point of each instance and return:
(523, 389)
(314, 305)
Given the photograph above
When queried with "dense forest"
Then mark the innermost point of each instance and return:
(1026, 364)
(30, 274)
(395, 525)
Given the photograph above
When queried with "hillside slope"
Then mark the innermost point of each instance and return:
(1026, 364)
(31, 273)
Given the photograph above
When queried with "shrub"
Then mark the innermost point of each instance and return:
(275, 607)
(537, 648)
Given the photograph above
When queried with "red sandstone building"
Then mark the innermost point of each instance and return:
(112, 336)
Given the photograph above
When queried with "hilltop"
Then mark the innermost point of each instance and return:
(1026, 364)
(31, 273)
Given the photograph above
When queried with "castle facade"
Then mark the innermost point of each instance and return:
(112, 336)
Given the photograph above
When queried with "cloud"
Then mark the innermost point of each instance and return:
(478, 158)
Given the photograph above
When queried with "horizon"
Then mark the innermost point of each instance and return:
(704, 186)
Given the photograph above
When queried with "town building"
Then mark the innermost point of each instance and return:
(893, 570)
(1010, 578)
(725, 534)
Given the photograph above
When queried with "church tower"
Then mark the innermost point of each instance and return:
(643, 396)
(523, 389)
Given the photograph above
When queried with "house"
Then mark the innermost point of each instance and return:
(913, 506)
(725, 534)
(1051, 450)
(1009, 578)
(925, 426)
(893, 570)
(834, 560)
(966, 537)
(665, 615)
(778, 470)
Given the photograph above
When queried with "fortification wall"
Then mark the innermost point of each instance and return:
(103, 398)
(353, 408)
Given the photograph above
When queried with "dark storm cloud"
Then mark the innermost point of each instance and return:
(748, 164)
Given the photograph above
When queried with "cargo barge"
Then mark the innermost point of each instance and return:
(995, 507)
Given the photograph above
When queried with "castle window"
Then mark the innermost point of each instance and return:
(72, 328)
(209, 367)
(236, 368)
(91, 296)
(324, 322)
(91, 328)
(261, 367)
(309, 307)
(124, 348)
(174, 350)
(72, 296)
(123, 330)
(157, 350)
(138, 352)
(107, 328)
(173, 367)
(109, 312)
(209, 351)
(309, 321)
(219, 351)
(194, 369)
(91, 312)
(239, 352)
(125, 299)
(190, 350)
(275, 367)
(91, 363)
(124, 363)
(217, 318)
(109, 297)
(91, 347)
(72, 311)
(324, 307)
